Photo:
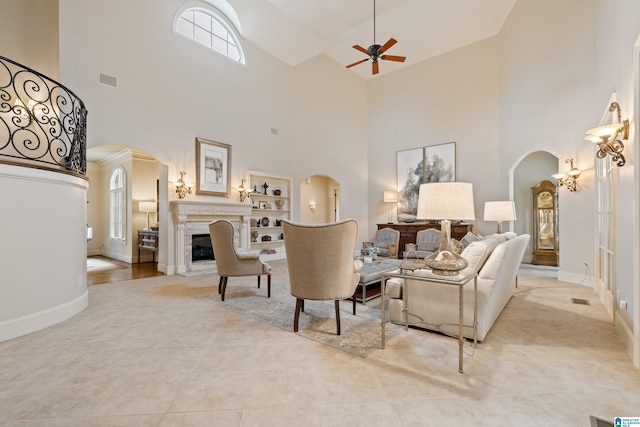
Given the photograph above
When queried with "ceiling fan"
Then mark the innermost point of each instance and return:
(375, 51)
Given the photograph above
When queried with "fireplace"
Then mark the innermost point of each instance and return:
(191, 222)
(201, 248)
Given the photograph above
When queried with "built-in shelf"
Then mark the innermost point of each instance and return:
(272, 203)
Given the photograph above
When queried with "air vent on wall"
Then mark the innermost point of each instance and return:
(108, 80)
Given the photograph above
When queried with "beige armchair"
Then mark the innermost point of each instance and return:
(231, 262)
(321, 264)
(387, 241)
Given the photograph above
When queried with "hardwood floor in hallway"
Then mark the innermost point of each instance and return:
(129, 272)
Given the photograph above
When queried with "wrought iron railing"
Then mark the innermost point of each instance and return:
(42, 123)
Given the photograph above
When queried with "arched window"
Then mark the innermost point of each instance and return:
(118, 187)
(209, 27)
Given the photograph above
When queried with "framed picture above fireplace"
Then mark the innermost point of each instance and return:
(213, 166)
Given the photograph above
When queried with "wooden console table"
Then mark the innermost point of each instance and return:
(408, 231)
(148, 241)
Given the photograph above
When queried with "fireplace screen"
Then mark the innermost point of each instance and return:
(201, 249)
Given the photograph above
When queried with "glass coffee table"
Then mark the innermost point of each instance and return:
(371, 275)
(425, 277)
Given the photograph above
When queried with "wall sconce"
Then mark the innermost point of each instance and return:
(182, 188)
(499, 211)
(607, 137)
(390, 197)
(25, 112)
(312, 207)
(244, 193)
(569, 179)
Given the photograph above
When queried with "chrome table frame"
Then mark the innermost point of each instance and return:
(427, 276)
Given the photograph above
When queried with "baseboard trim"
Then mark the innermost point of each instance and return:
(33, 322)
(578, 279)
(626, 334)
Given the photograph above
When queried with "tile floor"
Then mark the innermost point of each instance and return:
(145, 353)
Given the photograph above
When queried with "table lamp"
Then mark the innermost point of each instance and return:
(147, 207)
(500, 211)
(445, 201)
(390, 197)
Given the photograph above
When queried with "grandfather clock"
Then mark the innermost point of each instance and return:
(545, 227)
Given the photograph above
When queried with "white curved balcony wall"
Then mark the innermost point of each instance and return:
(43, 251)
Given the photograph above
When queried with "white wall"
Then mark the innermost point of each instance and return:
(171, 91)
(546, 80)
(453, 97)
(614, 71)
(43, 262)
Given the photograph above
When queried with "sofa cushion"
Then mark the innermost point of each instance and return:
(477, 253)
(492, 265)
(500, 237)
(510, 235)
(393, 288)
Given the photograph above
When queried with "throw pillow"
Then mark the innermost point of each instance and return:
(469, 238)
(456, 246)
(477, 253)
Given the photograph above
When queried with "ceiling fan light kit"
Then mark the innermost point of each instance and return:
(375, 51)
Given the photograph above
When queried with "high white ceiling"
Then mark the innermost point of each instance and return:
(297, 30)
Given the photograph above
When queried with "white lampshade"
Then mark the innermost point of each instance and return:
(147, 206)
(446, 200)
(500, 211)
(390, 196)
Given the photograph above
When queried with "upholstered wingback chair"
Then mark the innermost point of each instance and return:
(321, 264)
(427, 241)
(231, 262)
(387, 241)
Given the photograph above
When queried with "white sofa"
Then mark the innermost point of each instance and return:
(495, 258)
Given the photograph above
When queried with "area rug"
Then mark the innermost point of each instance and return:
(97, 264)
(360, 333)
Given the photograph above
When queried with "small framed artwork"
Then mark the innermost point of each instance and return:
(213, 166)
(263, 205)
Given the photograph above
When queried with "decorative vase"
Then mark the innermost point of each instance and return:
(279, 203)
(254, 236)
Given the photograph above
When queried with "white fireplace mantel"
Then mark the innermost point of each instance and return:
(188, 214)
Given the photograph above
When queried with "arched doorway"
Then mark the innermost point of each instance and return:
(319, 200)
(146, 181)
(527, 173)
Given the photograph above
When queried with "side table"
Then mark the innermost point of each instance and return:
(426, 277)
(148, 240)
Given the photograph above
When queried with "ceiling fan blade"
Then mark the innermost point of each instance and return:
(361, 49)
(375, 67)
(387, 45)
(393, 58)
(356, 63)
